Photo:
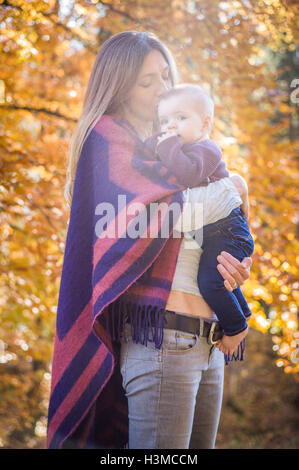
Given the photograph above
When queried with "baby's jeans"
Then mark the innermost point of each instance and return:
(230, 234)
(174, 393)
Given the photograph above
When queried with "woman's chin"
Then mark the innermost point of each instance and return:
(149, 117)
(155, 113)
(153, 116)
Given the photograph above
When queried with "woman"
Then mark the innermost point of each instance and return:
(101, 276)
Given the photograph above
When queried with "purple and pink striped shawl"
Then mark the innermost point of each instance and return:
(104, 281)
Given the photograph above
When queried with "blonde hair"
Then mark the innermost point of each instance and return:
(201, 100)
(113, 75)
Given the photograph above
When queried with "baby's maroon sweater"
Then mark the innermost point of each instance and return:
(193, 163)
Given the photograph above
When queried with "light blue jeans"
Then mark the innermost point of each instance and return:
(174, 393)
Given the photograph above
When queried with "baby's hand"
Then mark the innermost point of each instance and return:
(228, 344)
(165, 135)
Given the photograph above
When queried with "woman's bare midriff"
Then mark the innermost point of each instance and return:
(188, 304)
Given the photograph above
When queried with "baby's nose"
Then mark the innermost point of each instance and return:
(172, 124)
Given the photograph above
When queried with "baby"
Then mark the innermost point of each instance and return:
(186, 115)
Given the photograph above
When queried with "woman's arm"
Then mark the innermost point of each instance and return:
(242, 189)
(232, 270)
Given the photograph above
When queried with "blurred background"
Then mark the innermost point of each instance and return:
(246, 54)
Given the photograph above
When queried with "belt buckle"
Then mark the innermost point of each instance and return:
(211, 333)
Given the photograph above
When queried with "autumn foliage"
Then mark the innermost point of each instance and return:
(244, 53)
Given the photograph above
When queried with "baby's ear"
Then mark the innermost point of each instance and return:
(207, 123)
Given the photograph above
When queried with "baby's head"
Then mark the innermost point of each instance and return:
(187, 110)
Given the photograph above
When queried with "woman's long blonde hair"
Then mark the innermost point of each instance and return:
(112, 77)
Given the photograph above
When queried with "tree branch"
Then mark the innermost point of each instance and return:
(37, 110)
(118, 12)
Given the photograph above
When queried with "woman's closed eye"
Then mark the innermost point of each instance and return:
(181, 117)
(148, 84)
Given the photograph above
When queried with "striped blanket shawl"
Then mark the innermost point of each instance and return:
(108, 276)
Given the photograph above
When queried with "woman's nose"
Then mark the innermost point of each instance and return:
(163, 87)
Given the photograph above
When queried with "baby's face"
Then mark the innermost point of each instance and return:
(177, 114)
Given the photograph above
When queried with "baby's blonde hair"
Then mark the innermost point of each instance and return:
(202, 102)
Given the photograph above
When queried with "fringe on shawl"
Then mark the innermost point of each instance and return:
(236, 356)
(140, 318)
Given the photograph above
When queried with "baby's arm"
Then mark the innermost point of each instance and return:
(193, 163)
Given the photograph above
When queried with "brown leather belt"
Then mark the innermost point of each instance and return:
(197, 326)
(210, 329)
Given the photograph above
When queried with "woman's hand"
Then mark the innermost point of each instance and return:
(234, 272)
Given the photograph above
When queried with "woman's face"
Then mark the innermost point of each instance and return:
(152, 81)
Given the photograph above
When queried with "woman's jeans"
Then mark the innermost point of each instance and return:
(174, 393)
